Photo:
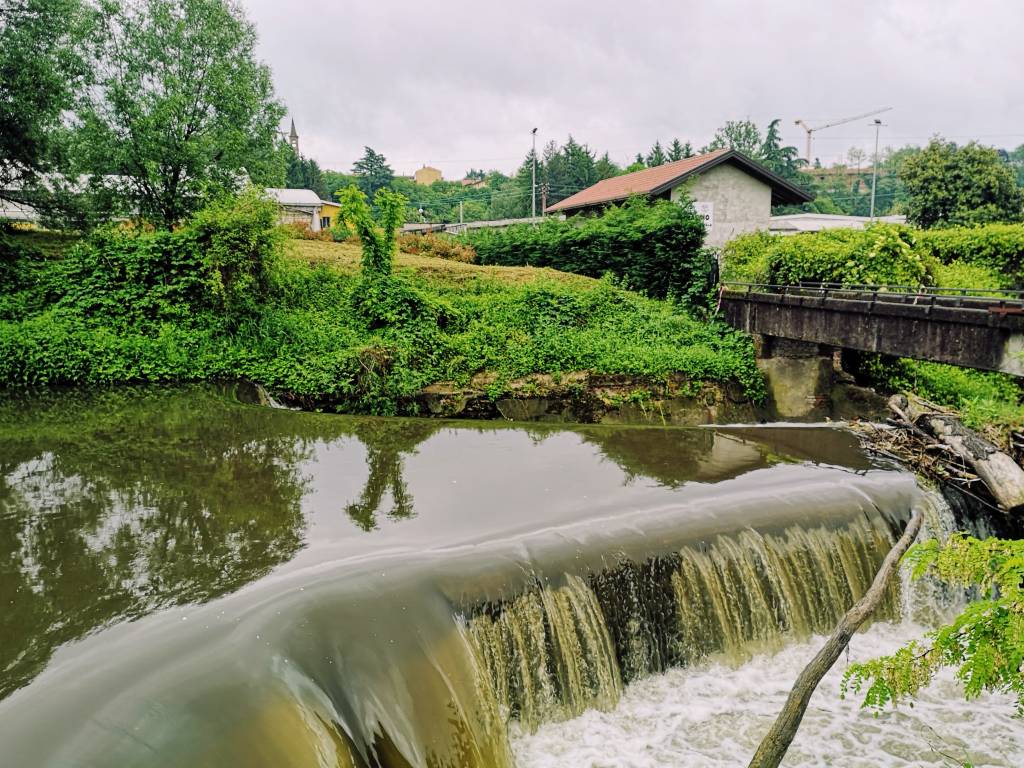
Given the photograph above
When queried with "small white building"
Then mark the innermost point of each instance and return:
(733, 193)
(298, 206)
(794, 223)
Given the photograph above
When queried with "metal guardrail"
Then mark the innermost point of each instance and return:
(842, 288)
(994, 301)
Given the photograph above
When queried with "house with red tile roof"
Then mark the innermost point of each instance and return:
(733, 193)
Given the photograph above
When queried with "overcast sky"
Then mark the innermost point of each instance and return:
(459, 84)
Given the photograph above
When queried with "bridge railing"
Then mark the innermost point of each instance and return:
(995, 300)
(803, 288)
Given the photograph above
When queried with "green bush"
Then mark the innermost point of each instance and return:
(990, 256)
(883, 254)
(326, 338)
(998, 247)
(651, 247)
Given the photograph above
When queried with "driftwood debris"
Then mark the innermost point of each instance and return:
(776, 742)
(941, 432)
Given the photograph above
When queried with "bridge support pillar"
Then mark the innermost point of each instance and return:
(806, 381)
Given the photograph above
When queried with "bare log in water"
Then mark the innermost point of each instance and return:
(1003, 477)
(775, 744)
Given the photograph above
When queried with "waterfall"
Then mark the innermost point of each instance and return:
(558, 649)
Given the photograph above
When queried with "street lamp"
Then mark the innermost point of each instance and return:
(874, 169)
(533, 186)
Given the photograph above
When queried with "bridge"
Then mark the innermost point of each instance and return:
(970, 328)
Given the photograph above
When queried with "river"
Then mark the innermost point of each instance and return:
(188, 579)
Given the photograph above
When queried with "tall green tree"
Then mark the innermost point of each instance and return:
(373, 172)
(305, 173)
(377, 234)
(182, 109)
(677, 150)
(605, 168)
(580, 167)
(1016, 160)
(949, 185)
(42, 68)
(656, 156)
(742, 135)
(783, 160)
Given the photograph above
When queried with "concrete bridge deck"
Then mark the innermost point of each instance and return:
(974, 329)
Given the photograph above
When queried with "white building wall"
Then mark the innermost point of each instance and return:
(739, 202)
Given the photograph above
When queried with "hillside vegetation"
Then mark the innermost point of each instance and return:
(225, 297)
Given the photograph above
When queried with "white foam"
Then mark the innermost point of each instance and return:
(714, 716)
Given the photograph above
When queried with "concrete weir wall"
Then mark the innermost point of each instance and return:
(965, 331)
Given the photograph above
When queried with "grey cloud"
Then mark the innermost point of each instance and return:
(459, 84)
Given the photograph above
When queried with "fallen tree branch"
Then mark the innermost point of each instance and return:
(775, 743)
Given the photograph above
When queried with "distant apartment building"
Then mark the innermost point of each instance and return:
(427, 176)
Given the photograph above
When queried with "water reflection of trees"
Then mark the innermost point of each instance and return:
(387, 442)
(115, 503)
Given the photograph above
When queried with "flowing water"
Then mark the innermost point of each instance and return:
(189, 580)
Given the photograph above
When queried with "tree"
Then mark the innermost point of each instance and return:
(377, 235)
(1016, 160)
(785, 161)
(775, 744)
(305, 173)
(985, 643)
(580, 168)
(373, 172)
(41, 70)
(656, 156)
(742, 135)
(949, 185)
(678, 150)
(604, 168)
(182, 110)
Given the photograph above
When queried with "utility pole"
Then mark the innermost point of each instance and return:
(533, 188)
(874, 169)
(460, 212)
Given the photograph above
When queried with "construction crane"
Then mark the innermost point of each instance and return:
(811, 131)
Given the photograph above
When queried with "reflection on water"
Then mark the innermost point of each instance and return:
(192, 581)
(387, 443)
(118, 503)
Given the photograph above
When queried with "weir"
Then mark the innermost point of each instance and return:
(555, 651)
(430, 659)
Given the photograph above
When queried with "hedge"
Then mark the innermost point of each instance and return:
(653, 247)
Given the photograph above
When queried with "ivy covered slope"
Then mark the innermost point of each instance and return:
(224, 296)
(986, 257)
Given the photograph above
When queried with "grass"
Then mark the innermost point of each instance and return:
(344, 257)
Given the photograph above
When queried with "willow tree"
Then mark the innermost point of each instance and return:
(42, 67)
(182, 110)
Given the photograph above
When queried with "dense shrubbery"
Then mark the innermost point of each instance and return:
(214, 300)
(997, 247)
(882, 254)
(990, 256)
(652, 247)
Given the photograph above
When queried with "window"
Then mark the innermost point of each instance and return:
(325, 222)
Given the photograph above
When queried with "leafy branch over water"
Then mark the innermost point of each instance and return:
(985, 644)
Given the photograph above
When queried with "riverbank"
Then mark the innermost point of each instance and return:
(223, 299)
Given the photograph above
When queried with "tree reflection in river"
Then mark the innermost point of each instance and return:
(387, 442)
(118, 502)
